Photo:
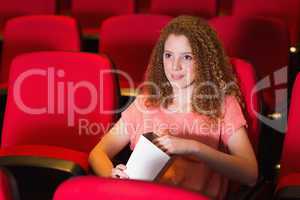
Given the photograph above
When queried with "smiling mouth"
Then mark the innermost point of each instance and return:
(177, 77)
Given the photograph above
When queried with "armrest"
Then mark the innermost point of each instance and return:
(57, 158)
(288, 193)
(51, 163)
(249, 192)
(288, 187)
(262, 190)
(252, 192)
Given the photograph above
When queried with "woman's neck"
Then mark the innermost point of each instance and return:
(182, 99)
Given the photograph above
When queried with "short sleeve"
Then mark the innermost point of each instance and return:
(233, 118)
(132, 119)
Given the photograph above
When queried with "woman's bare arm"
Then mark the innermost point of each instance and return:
(110, 145)
(239, 165)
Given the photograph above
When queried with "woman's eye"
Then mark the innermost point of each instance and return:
(167, 55)
(188, 57)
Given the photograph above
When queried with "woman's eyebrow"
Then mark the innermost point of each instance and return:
(187, 52)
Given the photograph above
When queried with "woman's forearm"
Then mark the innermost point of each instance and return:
(234, 167)
(101, 163)
(109, 146)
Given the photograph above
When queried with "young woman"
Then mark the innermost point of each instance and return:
(191, 100)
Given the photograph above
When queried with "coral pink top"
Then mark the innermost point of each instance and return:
(186, 171)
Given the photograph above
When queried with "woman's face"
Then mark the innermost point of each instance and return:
(178, 61)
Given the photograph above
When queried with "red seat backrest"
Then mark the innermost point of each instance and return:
(262, 42)
(203, 8)
(37, 33)
(129, 40)
(90, 13)
(247, 81)
(291, 150)
(61, 99)
(288, 11)
(14, 8)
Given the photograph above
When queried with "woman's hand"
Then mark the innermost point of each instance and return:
(118, 172)
(175, 145)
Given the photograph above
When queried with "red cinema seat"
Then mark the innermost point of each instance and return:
(128, 41)
(247, 79)
(90, 13)
(262, 42)
(92, 187)
(288, 186)
(59, 105)
(288, 11)
(14, 8)
(37, 33)
(203, 8)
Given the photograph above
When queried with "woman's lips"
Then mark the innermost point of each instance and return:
(176, 76)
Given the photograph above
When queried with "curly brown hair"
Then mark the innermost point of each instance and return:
(211, 66)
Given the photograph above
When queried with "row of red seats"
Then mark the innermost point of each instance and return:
(128, 42)
(90, 13)
(56, 133)
(245, 29)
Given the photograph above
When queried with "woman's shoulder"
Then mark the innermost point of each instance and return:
(141, 103)
(230, 100)
(231, 106)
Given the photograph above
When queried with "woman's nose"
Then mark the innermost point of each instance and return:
(176, 65)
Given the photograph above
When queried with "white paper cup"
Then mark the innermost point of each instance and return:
(146, 160)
